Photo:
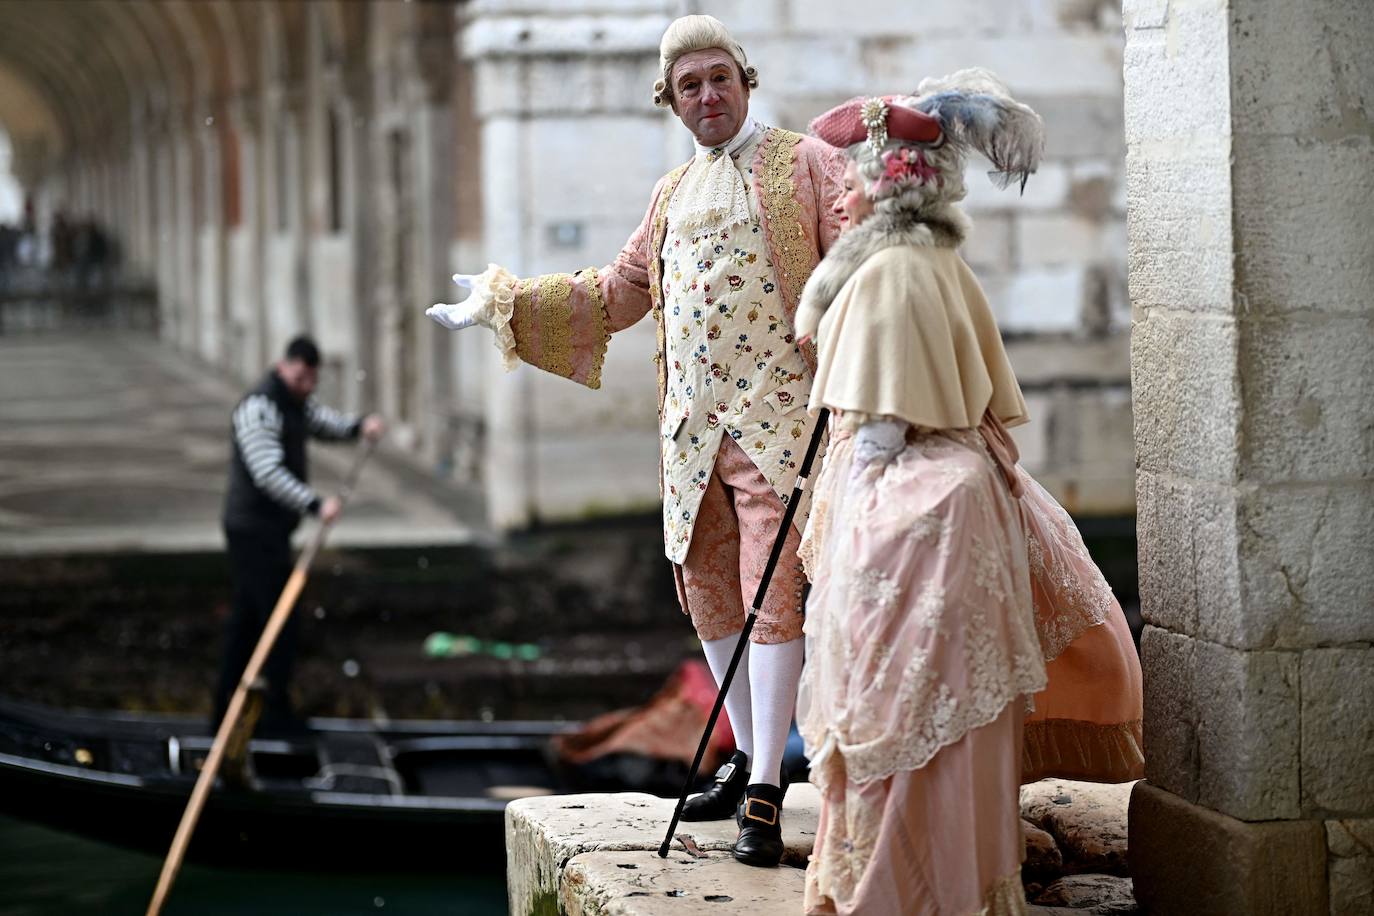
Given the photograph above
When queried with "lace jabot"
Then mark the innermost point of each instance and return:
(713, 194)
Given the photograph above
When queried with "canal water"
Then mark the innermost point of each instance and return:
(45, 872)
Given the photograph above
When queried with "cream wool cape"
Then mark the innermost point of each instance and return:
(952, 364)
(949, 590)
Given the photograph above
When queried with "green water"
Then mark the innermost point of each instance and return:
(45, 872)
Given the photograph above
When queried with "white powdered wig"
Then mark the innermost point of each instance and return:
(696, 33)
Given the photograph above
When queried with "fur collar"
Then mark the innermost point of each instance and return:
(947, 229)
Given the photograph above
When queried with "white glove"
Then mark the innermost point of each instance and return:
(879, 441)
(456, 315)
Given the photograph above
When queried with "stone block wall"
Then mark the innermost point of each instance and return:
(1249, 164)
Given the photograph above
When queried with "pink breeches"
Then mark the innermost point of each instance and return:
(731, 538)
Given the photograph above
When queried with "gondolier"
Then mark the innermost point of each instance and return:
(268, 494)
(726, 245)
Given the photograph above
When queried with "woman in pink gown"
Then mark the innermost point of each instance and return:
(960, 639)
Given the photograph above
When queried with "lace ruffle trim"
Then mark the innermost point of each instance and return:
(936, 721)
(1006, 897)
(712, 195)
(494, 289)
(1075, 598)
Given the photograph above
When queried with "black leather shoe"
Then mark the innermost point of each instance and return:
(719, 801)
(739, 808)
(760, 832)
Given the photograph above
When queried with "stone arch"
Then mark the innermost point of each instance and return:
(33, 124)
(47, 62)
(34, 120)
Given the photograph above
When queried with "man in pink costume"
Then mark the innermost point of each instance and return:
(720, 261)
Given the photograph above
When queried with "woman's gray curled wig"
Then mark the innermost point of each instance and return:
(976, 111)
(696, 33)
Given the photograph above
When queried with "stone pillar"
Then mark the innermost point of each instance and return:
(208, 215)
(571, 148)
(1250, 174)
(326, 157)
(246, 322)
(467, 353)
(163, 255)
(360, 214)
(284, 282)
(434, 166)
(393, 194)
(182, 245)
(141, 241)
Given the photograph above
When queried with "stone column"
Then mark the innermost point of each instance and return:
(182, 245)
(360, 214)
(284, 276)
(392, 193)
(571, 148)
(246, 322)
(208, 216)
(1250, 173)
(328, 249)
(163, 254)
(434, 165)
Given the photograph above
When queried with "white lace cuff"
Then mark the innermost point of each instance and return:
(493, 297)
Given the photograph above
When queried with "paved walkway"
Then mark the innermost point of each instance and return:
(597, 855)
(115, 442)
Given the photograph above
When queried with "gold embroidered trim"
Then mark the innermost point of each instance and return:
(1074, 749)
(555, 323)
(591, 282)
(792, 256)
(523, 322)
(660, 231)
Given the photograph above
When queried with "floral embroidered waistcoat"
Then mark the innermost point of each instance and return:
(732, 366)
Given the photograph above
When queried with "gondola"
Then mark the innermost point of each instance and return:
(340, 792)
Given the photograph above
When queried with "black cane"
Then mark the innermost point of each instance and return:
(821, 418)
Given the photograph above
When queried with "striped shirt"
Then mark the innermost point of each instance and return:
(258, 430)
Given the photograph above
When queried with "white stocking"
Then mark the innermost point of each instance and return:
(774, 671)
(718, 655)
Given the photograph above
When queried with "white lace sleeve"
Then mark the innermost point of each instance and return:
(493, 300)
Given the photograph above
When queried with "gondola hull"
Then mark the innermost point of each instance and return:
(342, 793)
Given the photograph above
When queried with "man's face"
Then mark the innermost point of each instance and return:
(300, 379)
(709, 95)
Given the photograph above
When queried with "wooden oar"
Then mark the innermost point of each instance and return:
(280, 614)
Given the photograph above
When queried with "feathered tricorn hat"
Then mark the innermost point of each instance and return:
(970, 109)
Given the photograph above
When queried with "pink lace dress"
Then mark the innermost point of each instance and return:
(949, 590)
